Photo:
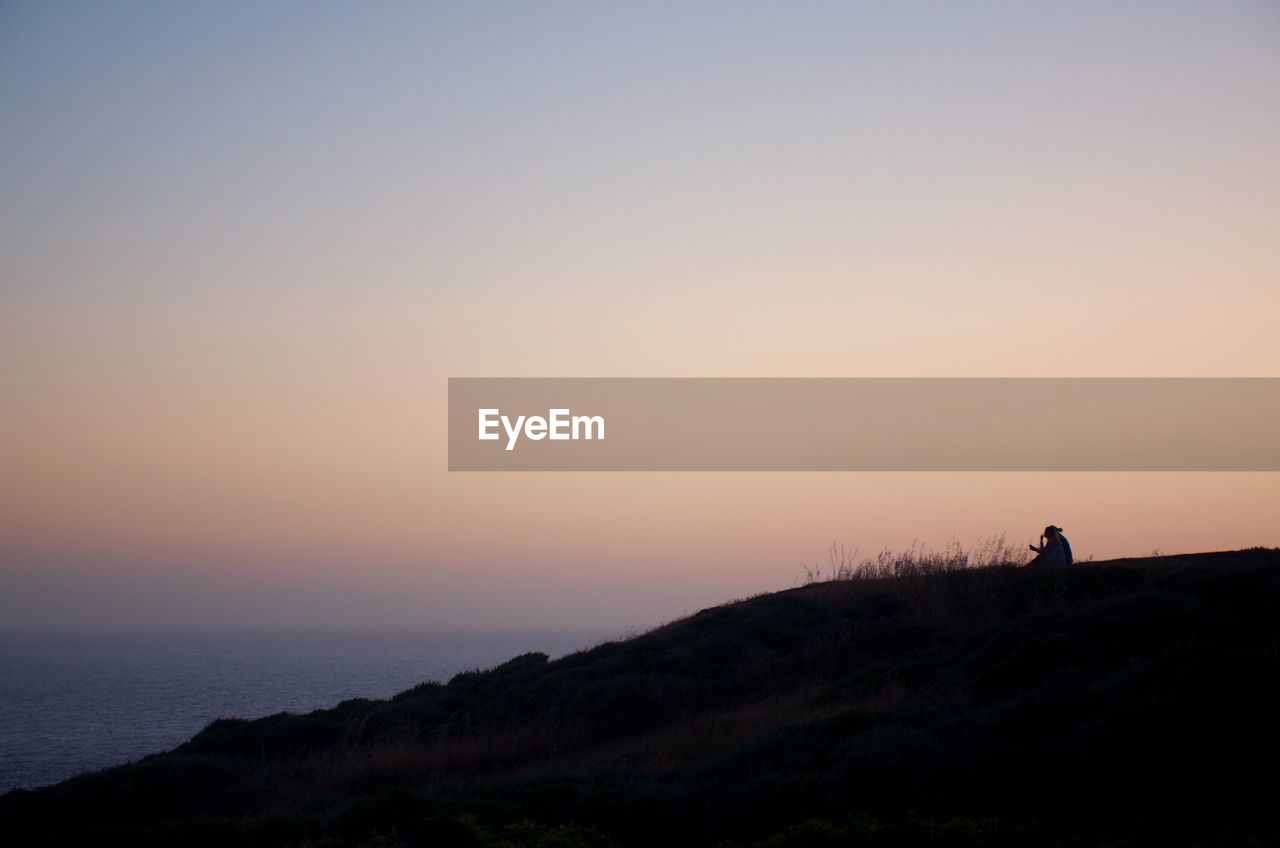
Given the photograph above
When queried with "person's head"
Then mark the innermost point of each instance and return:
(1051, 532)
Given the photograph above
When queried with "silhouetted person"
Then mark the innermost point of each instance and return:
(1054, 548)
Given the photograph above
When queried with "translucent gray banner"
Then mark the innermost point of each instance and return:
(766, 424)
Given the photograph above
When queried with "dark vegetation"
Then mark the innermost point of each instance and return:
(1131, 702)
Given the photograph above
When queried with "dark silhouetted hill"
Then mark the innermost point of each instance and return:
(1131, 702)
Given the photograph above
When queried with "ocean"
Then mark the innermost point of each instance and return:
(72, 703)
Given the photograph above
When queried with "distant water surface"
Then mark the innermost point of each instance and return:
(71, 703)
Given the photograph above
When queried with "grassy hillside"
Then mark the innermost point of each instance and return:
(1112, 703)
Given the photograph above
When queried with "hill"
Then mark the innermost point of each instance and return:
(1128, 702)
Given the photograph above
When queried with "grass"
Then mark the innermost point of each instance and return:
(942, 698)
(915, 561)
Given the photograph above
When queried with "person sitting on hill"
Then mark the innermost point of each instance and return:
(1054, 548)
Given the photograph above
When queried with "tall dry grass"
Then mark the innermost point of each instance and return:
(916, 561)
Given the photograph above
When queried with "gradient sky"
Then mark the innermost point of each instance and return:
(244, 245)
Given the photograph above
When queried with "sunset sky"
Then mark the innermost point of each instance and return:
(245, 245)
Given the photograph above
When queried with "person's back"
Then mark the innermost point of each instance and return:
(1066, 547)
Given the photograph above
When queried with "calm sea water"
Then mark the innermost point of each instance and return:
(71, 703)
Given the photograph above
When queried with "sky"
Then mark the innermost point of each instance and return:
(245, 246)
